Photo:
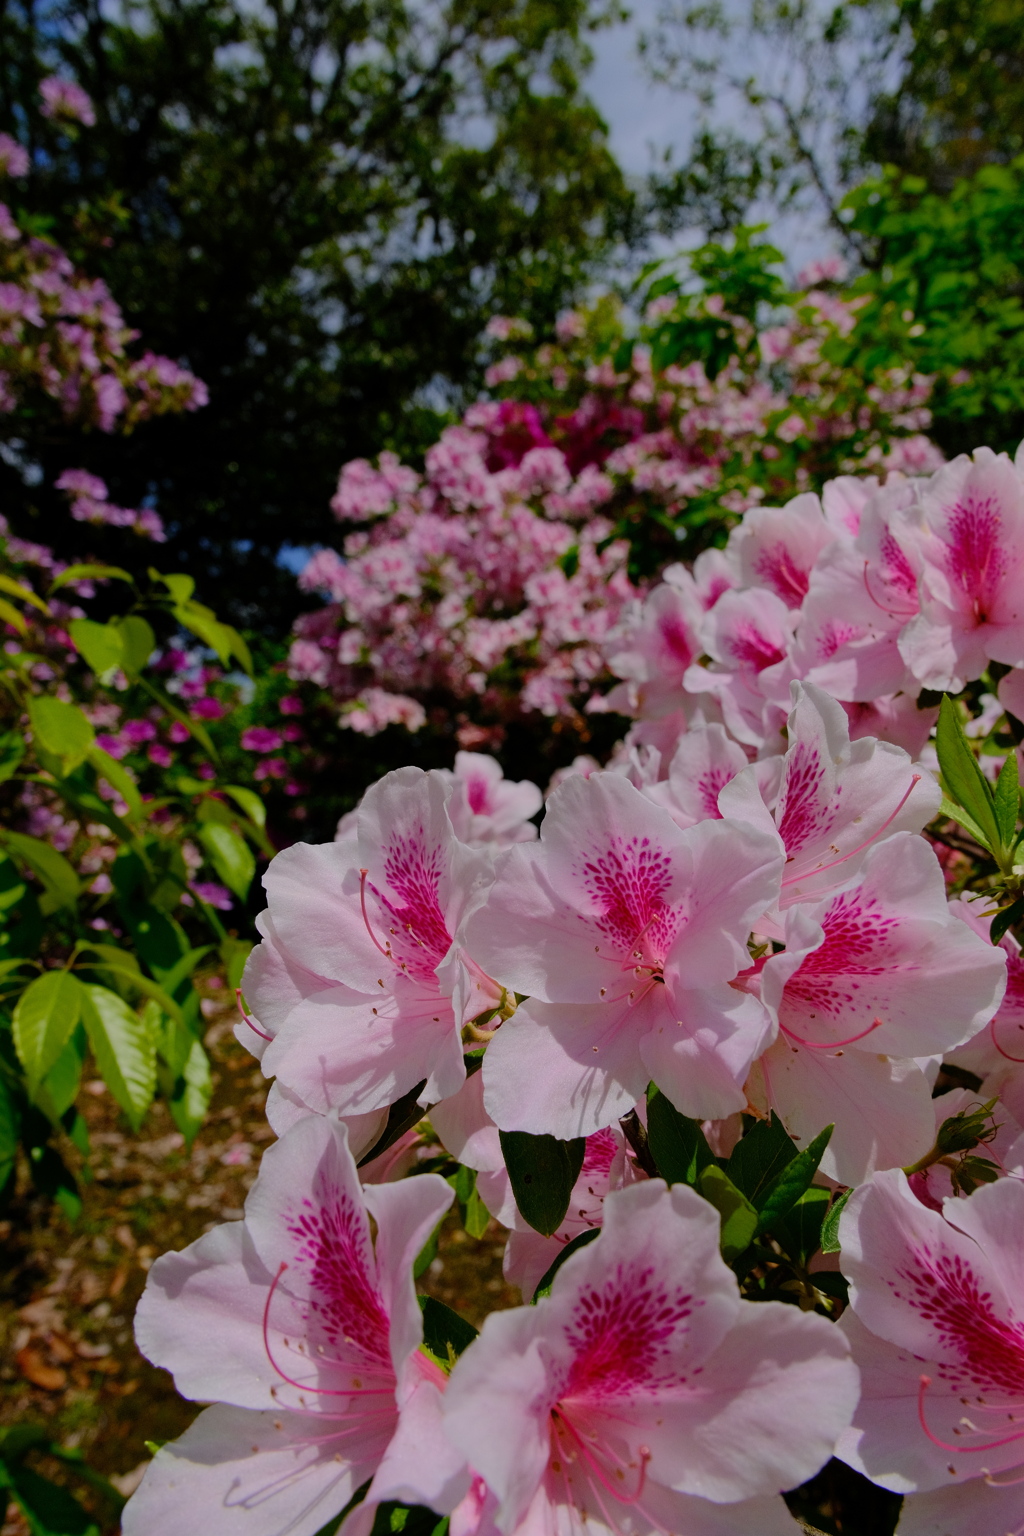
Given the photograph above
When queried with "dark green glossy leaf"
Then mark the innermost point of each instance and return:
(443, 1328)
(760, 1157)
(964, 780)
(542, 1171)
(678, 1145)
(794, 1179)
(739, 1218)
(798, 1233)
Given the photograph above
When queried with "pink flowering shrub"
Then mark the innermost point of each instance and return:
(485, 588)
(738, 1022)
(62, 336)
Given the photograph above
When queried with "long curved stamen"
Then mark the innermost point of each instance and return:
(247, 1019)
(906, 610)
(386, 952)
(1013, 1482)
(944, 1445)
(832, 1045)
(995, 1042)
(598, 1470)
(809, 875)
(300, 1385)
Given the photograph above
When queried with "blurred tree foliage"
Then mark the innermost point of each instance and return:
(810, 95)
(316, 204)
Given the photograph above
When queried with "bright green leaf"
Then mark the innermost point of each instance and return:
(89, 573)
(124, 1046)
(193, 1089)
(739, 1218)
(118, 777)
(249, 801)
(137, 642)
(59, 1088)
(1007, 800)
(180, 587)
(44, 1017)
(61, 729)
(234, 953)
(10, 615)
(59, 879)
(17, 589)
(231, 857)
(963, 778)
(99, 644)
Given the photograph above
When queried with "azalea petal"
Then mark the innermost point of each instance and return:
(970, 1509)
(700, 1059)
(406, 1213)
(241, 1473)
(558, 1070)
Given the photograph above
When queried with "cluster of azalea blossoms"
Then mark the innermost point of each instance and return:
(61, 333)
(489, 583)
(691, 1041)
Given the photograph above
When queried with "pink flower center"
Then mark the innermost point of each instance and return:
(750, 648)
(620, 1334)
(333, 1249)
(856, 944)
(975, 560)
(778, 570)
(802, 817)
(417, 938)
(629, 882)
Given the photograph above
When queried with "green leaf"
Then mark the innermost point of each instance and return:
(44, 1017)
(760, 1157)
(205, 625)
(134, 978)
(118, 778)
(957, 813)
(59, 1088)
(546, 1280)
(99, 644)
(180, 587)
(51, 1510)
(794, 1179)
(10, 615)
(798, 1233)
(59, 879)
(678, 1145)
(234, 953)
(17, 589)
(12, 750)
(542, 1171)
(61, 729)
(444, 1330)
(249, 801)
(963, 778)
(137, 643)
(1005, 919)
(1007, 800)
(231, 857)
(124, 1046)
(89, 573)
(192, 1091)
(739, 1218)
(9, 1127)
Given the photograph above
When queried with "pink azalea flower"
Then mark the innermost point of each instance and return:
(624, 930)
(836, 797)
(936, 1303)
(859, 599)
(704, 762)
(969, 530)
(261, 738)
(359, 980)
(643, 1394)
(305, 1335)
(65, 101)
(776, 547)
(14, 159)
(873, 976)
(747, 634)
(996, 1053)
(487, 808)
